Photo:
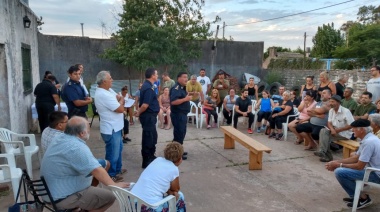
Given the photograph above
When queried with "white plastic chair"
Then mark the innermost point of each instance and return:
(17, 147)
(285, 125)
(193, 107)
(246, 118)
(360, 184)
(203, 116)
(129, 202)
(9, 173)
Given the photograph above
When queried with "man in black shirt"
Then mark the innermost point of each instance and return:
(243, 107)
(46, 98)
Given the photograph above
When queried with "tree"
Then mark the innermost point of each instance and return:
(369, 14)
(158, 33)
(278, 49)
(326, 40)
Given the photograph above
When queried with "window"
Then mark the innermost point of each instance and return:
(26, 68)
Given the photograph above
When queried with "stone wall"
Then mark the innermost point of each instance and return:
(357, 78)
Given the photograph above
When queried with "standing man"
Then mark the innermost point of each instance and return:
(222, 85)
(69, 168)
(243, 107)
(74, 95)
(148, 111)
(180, 107)
(46, 98)
(110, 107)
(338, 128)
(168, 83)
(366, 106)
(348, 102)
(348, 170)
(373, 85)
(204, 81)
(81, 69)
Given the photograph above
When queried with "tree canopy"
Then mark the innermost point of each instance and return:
(326, 40)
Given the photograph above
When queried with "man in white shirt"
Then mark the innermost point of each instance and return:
(338, 128)
(110, 107)
(204, 81)
(373, 85)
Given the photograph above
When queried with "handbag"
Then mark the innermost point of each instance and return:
(26, 206)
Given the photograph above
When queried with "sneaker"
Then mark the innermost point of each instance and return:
(319, 154)
(258, 130)
(273, 135)
(184, 153)
(325, 159)
(279, 136)
(264, 127)
(184, 157)
(250, 131)
(208, 127)
(362, 203)
(348, 200)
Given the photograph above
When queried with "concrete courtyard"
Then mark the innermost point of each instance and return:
(215, 179)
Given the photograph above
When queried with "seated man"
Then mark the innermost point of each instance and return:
(348, 170)
(57, 124)
(348, 102)
(68, 166)
(338, 128)
(366, 106)
(319, 116)
(243, 107)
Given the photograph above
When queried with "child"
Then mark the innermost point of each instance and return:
(266, 109)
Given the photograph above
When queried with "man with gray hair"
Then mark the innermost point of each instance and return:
(341, 84)
(68, 167)
(110, 107)
(375, 123)
(348, 102)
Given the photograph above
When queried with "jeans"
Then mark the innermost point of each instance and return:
(346, 177)
(114, 148)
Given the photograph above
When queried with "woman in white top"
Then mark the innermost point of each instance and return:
(161, 177)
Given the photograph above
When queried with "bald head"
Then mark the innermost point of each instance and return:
(78, 126)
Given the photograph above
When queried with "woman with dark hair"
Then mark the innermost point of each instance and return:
(253, 92)
(294, 99)
(266, 104)
(209, 107)
(307, 103)
(309, 86)
(56, 83)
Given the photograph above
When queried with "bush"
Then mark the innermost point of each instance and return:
(274, 76)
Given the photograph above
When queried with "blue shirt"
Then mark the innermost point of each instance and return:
(148, 96)
(179, 92)
(369, 151)
(265, 105)
(66, 166)
(73, 91)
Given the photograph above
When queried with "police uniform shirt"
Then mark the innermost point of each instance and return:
(179, 92)
(74, 91)
(148, 96)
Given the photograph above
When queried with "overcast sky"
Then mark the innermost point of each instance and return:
(64, 18)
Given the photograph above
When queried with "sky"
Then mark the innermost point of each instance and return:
(100, 18)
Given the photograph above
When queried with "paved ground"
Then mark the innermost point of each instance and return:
(215, 179)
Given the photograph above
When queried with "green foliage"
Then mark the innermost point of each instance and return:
(326, 40)
(274, 76)
(349, 64)
(298, 50)
(296, 63)
(278, 49)
(159, 33)
(369, 15)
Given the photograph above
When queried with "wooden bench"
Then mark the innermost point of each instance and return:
(349, 146)
(256, 149)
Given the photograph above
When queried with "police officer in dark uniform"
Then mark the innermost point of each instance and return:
(148, 110)
(74, 95)
(180, 107)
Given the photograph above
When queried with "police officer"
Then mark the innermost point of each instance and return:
(148, 110)
(180, 107)
(74, 95)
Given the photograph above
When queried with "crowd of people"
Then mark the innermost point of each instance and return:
(326, 112)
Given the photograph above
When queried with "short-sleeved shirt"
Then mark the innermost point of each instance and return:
(137, 93)
(340, 89)
(222, 93)
(290, 104)
(320, 121)
(340, 119)
(229, 104)
(197, 87)
(204, 81)
(71, 92)
(106, 104)
(169, 84)
(369, 151)
(350, 104)
(156, 85)
(67, 166)
(82, 84)
(179, 92)
(365, 109)
(47, 137)
(155, 180)
(148, 96)
(44, 92)
(243, 104)
(373, 86)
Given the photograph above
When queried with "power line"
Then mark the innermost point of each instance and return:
(271, 19)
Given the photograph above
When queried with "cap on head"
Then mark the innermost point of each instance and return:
(361, 123)
(337, 98)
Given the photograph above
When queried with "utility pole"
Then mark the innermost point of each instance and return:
(224, 28)
(82, 29)
(304, 51)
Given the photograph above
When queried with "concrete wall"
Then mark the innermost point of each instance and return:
(57, 53)
(15, 104)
